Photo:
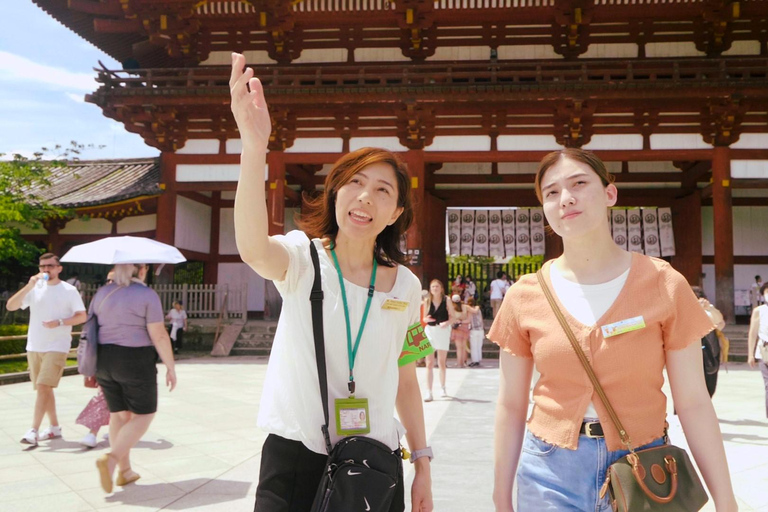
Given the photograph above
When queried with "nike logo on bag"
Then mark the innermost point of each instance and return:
(367, 506)
(365, 463)
(353, 473)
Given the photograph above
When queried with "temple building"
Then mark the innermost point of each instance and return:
(671, 94)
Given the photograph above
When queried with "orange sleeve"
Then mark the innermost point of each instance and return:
(506, 331)
(686, 321)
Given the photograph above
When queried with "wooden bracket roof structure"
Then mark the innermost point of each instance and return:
(719, 98)
(167, 33)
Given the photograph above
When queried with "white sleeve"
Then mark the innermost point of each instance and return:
(414, 306)
(296, 243)
(76, 301)
(27, 300)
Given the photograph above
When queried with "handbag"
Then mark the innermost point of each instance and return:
(763, 349)
(87, 348)
(655, 479)
(361, 473)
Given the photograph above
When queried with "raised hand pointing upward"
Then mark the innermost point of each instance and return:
(249, 106)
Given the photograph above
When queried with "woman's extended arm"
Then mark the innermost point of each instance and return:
(697, 416)
(754, 327)
(411, 413)
(162, 343)
(511, 411)
(265, 255)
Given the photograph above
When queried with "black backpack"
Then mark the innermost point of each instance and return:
(710, 350)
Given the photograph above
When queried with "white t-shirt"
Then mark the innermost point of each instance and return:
(290, 402)
(587, 303)
(46, 303)
(762, 330)
(498, 289)
(177, 317)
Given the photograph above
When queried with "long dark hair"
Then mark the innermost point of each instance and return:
(320, 221)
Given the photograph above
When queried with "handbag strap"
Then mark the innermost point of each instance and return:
(584, 361)
(316, 298)
(98, 308)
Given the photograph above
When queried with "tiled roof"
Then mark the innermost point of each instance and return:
(98, 182)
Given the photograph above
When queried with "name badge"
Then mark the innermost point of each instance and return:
(630, 324)
(395, 305)
(352, 416)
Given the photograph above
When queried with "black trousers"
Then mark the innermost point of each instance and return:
(290, 474)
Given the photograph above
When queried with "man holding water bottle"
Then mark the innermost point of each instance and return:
(54, 307)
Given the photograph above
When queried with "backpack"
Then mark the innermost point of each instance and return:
(710, 350)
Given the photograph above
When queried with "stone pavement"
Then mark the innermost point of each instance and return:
(202, 451)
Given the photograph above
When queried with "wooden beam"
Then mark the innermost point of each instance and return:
(723, 230)
(739, 260)
(195, 255)
(196, 196)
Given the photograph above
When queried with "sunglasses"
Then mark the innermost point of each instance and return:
(47, 266)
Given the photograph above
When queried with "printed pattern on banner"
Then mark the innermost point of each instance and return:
(619, 227)
(467, 231)
(651, 232)
(508, 232)
(537, 232)
(523, 232)
(666, 234)
(635, 230)
(495, 236)
(481, 233)
(454, 232)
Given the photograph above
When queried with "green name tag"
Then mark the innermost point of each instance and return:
(352, 416)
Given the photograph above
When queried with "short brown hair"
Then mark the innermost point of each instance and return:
(320, 221)
(48, 256)
(579, 155)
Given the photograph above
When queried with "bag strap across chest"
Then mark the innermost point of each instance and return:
(316, 299)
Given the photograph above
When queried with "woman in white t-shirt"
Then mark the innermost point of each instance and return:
(356, 225)
(178, 318)
(758, 337)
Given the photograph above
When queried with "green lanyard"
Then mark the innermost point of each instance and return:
(352, 352)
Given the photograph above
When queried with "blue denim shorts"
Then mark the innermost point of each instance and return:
(550, 478)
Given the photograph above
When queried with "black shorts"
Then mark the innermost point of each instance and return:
(290, 474)
(128, 377)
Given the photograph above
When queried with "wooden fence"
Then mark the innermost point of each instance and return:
(200, 301)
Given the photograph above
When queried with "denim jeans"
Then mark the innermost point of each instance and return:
(550, 478)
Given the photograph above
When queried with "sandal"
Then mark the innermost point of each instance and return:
(102, 464)
(127, 477)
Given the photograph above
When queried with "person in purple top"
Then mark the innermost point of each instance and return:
(131, 335)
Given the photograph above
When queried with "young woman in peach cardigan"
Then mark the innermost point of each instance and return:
(560, 459)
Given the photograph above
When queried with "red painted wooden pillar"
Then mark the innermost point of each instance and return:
(166, 203)
(414, 160)
(686, 219)
(723, 226)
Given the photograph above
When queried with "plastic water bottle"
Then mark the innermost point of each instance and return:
(43, 280)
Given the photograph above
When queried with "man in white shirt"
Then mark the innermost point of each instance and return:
(755, 299)
(498, 289)
(54, 307)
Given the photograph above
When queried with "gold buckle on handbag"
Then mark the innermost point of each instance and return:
(588, 429)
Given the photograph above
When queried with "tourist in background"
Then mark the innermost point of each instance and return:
(178, 327)
(438, 331)
(757, 346)
(476, 333)
(498, 289)
(460, 330)
(131, 336)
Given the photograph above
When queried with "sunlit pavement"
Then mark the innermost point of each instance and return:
(202, 451)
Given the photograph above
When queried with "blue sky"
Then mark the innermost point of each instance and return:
(45, 72)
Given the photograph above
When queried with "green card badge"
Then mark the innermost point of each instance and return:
(416, 345)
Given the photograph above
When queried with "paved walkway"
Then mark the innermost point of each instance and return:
(202, 452)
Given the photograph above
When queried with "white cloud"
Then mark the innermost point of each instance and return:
(77, 98)
(19, 68)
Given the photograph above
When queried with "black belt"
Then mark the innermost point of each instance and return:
(591, 429)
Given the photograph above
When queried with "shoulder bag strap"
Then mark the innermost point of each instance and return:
(316, 298)
(98, 308)
(584, 361)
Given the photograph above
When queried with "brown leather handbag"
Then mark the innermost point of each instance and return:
(656, 479)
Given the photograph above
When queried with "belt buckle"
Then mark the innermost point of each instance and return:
(588, 429)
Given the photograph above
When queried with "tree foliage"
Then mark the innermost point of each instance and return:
(21, 205)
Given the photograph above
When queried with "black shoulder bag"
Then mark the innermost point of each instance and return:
(361, 473)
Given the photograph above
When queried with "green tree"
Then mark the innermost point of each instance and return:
(22, 205)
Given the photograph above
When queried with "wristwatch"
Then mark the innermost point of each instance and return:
(61, 322)
(424, 452)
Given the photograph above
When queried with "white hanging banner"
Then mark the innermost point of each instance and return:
(651, 232)
(523, 232)
(480, 247)
(467, 231)
(537, 232)
(495, 236)
(666, 234)
(508, 232)
(635, 230)
(454, 232)
(619, 227)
